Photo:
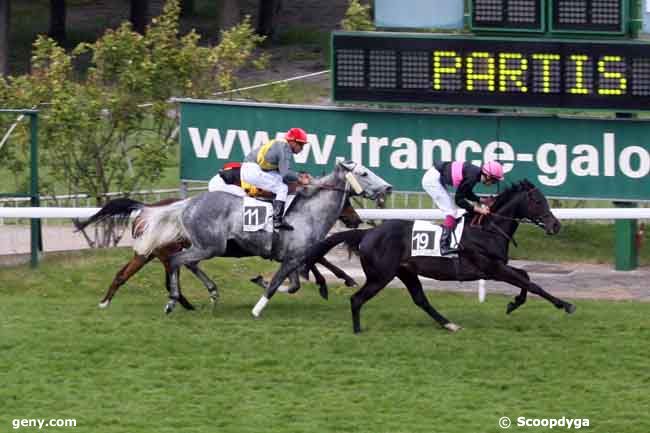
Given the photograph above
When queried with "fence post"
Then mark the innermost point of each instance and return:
(36, 238)
(627, 257)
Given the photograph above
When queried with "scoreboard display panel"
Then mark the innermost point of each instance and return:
(507, 15)
(589, 16)
(491, 72)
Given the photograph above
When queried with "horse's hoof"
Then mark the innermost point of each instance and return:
(292, 291)
(324, 293)
(511, 307)
(214, 296)
(351, 283)
(169, 307)
(452, 327)
(104, 304)
(570, 308)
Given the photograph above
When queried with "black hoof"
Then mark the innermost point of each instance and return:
(293, 290)
(351, 283)
(570, 308)
(169, 307)
(324, 293)
(259, 280)
(511, 307)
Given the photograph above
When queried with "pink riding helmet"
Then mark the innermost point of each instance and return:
(493, 169)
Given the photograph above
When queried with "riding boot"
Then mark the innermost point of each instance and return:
(445, 241)
(278, 216)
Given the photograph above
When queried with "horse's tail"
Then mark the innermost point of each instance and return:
(351, 237)
(157, 226)
(120, 208)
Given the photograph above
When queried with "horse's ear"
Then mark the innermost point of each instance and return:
(347, 165)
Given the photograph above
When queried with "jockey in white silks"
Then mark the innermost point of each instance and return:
(269, 167)
(463, 176)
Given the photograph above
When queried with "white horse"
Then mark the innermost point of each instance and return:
(213, 224)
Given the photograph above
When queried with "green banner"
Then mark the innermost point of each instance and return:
(565, 157)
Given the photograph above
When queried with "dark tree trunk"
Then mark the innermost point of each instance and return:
(187, 8)
(57, 21)
(267, 12)
(229, 14)
(4, 37)
(139, 15)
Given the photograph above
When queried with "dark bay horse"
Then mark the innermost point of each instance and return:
(348, 217)
(385, 253)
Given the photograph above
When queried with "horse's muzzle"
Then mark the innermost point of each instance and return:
(552, 225)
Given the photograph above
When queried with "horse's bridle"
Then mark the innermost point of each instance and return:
(538, 221)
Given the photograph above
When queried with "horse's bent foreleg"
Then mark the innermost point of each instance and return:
(520, 278)
(320, 280)
(213, 290)
(414, 286)
(135, 264)
(294, 279)
(340, 273)
(520, 299)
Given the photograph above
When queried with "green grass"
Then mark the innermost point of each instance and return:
(300, 368)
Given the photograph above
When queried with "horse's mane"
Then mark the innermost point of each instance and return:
(506, 195)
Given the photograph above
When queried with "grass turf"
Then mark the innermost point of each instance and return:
(300, 368)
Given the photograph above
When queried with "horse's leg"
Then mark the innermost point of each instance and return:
(520, 299)
(294, 279)
(520, 278)
(164, 257)
(213, 290)
(191, 255)
(289, 266)
(320, 280)
(373, 285)
(412, 283)
(340, 273)
(135, 264)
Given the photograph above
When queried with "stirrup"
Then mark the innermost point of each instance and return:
(281, 225)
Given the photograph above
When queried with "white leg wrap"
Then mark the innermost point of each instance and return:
(257, 309)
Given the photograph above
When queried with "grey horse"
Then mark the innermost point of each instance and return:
(212, 222)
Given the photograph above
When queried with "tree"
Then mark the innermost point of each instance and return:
(57, 21)
(113, 131)
(139, 15)
(4, 37)
(229, 14)
(187, 8)
(267, 12)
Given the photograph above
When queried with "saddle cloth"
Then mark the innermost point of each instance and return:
(425, 238)
(258, 214)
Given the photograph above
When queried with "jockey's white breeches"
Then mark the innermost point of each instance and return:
(216, 183)
(431, 184)
(267, 180)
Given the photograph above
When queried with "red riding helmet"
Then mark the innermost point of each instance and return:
(296, 134)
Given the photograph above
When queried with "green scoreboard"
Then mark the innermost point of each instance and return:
(491, 72)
